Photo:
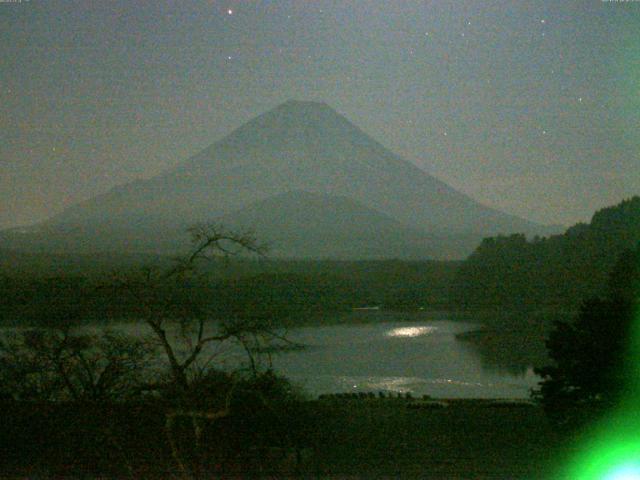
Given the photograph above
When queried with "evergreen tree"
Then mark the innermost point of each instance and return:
(592, 355)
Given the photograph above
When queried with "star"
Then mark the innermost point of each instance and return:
(230, 11)
(543, 21)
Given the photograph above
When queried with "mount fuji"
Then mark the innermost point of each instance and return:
(304, 177)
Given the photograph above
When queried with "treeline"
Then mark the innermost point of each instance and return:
(554, 273)
(302, 291)
(592, 367)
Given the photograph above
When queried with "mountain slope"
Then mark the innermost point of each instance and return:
(308, 225)
(304, 146)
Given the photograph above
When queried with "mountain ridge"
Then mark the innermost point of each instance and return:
(296, 146)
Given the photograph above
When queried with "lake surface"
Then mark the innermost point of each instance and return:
(383, 351)
(417, 357)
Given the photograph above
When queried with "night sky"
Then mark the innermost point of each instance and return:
(529, 107)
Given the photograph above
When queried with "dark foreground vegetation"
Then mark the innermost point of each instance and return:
(594, 356)
(152, 438)
(353, 438)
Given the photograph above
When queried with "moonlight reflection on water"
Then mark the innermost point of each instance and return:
(410, 331)
(421, 358)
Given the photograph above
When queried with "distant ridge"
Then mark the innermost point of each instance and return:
(298, 146)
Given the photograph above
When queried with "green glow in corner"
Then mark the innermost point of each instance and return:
(625, 472)
(613, 451)
(615, 456)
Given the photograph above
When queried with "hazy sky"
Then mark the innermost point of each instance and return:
(530, 107)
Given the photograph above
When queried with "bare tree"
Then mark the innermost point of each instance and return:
(57, 364)
(183, 328)
(180, 324)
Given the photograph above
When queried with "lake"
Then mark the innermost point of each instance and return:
(417, 357)
(384, 351)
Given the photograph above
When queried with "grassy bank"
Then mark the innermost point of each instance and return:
(467, 439)
(339, 438)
